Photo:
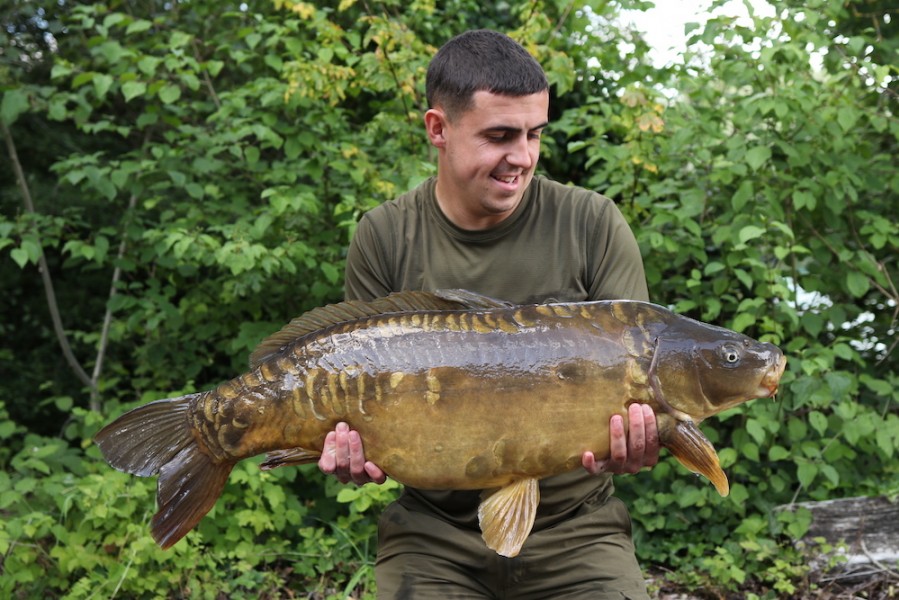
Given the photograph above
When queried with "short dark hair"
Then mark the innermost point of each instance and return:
(481, 60)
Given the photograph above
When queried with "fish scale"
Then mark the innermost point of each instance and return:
(449, 390)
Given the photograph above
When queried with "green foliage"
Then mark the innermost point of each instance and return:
(764, 198)
(196, 173)
(71, 525)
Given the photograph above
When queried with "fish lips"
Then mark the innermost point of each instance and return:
(770, 381)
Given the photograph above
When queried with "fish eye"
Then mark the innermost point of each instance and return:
(731, 354)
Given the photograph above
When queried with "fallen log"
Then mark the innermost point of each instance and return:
(864, 535)
(868, 528)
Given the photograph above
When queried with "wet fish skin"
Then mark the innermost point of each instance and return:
(449, 391)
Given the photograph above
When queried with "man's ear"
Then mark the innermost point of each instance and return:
(435, 125)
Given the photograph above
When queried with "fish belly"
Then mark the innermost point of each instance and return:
(477, 432)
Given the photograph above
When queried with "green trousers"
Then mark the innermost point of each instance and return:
(591, 555)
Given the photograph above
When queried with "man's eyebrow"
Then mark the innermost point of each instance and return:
(511, 129)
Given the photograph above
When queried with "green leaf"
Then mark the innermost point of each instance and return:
(60, 69)
(830, 473)
(738, 494)
(133, 89)
(138, 26)
(750, 451)
(743, 195)
(331, 272)
(32, 249)
(813, 323)
(81, 79)
(112, 19)
(63, 403)
(803, 199)
(818, 421)
(178, 178)
(348, 494)
(112, 51)
(857, 283)
(778, 453)
(846, 117)
(101, 82)
(744, 277)
(751, 232)
(253, 39)
(179, 39)
(20, 256)
(806, 473)
(742, 322)
(274, 61)
(755, 429)
(148, 65)
(884, 439)
(878, 386)
(169, 93)
(214, 66)
(758, 156)
(15, 102)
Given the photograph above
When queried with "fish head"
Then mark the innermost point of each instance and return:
(702, 369)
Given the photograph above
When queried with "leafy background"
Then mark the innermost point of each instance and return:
(187, 175)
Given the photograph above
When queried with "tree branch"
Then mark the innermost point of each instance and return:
(206, 79)
(44, 269)
(113, 290)
(107, 318)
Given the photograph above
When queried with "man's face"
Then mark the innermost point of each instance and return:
(488, 155)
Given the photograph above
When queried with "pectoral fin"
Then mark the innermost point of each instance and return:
(690, 446)
(507, 515)
(288, 457)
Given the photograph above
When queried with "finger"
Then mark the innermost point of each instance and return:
(636, 438)
(375, 473)
(357, 459)
(327, 463)
(651, 457)
(342, 446)
(617, 442)
(593, 466)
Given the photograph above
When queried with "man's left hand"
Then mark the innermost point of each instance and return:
(632, 451)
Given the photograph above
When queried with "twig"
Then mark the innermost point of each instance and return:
(391, 66)
(107, 317)
(206, 79)
(885, 569)
(562, 18)
(44, 269)
(124, 574)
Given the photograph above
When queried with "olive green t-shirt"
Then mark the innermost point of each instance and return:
(562, 243)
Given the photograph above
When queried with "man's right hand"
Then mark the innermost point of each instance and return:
(344, 457)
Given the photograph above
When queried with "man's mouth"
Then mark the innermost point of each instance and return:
(507, 179)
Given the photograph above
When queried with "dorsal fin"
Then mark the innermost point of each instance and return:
(332, 314)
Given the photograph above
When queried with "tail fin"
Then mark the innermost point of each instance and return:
(157, 438)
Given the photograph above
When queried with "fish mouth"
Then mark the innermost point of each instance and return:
(771, 379)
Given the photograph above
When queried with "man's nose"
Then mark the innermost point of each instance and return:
(520, 153)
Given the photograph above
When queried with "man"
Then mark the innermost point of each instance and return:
(487, 224)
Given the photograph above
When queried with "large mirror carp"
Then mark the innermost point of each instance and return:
(449, 390)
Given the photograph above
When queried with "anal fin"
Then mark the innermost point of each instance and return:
(507, 515)
(288, 457)
(690, 446)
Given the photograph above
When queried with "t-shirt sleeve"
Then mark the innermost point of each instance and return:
(367, 272)
(618, 272)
